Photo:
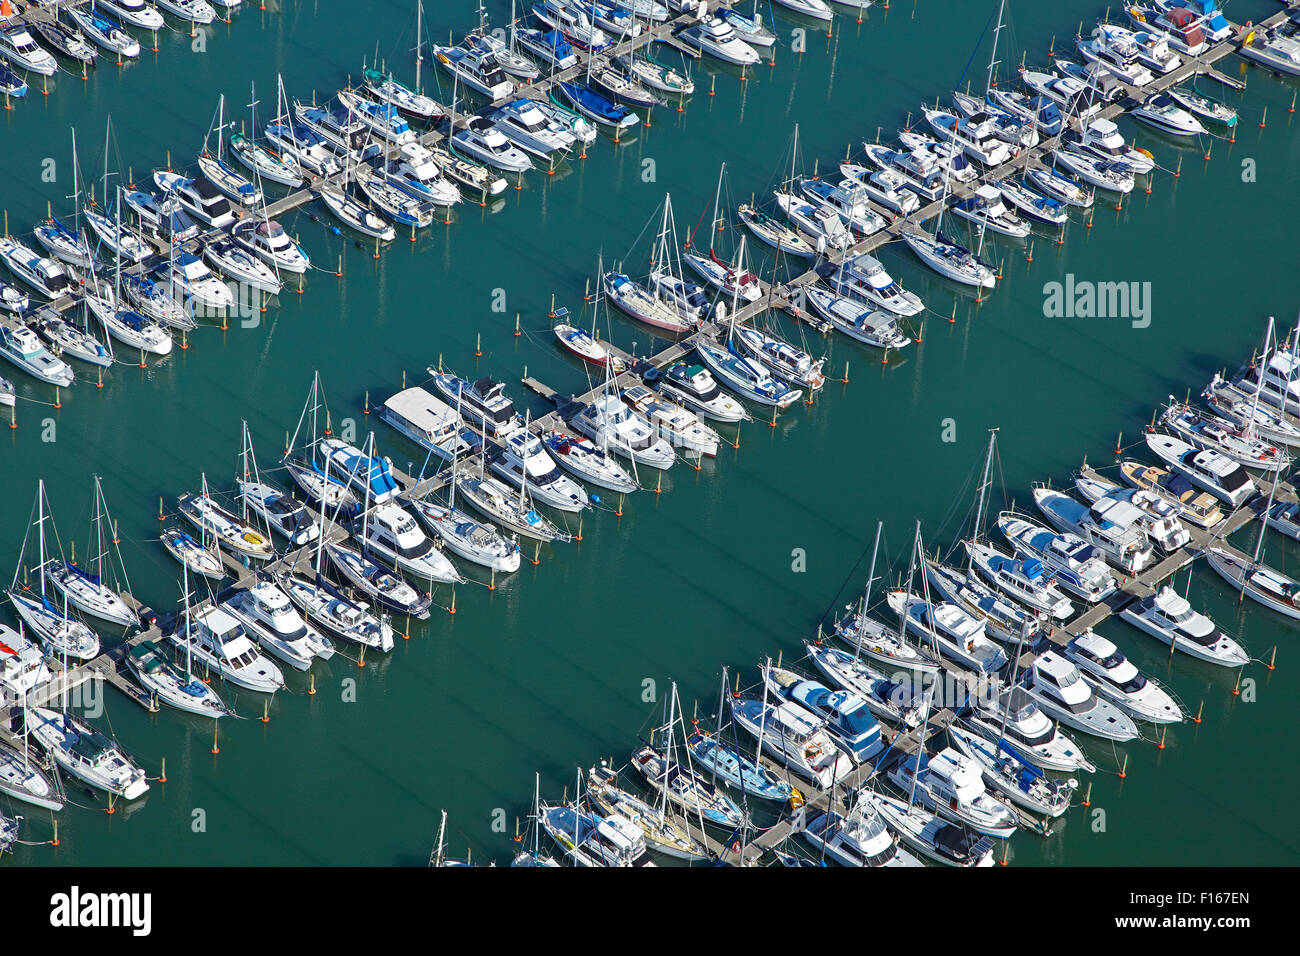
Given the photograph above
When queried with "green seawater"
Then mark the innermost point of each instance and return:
(548, 672)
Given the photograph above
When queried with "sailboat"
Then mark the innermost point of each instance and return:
(62, 633)
(662, 832)
(21, 778)
(226, 528)
(87, 590)
(169, 683)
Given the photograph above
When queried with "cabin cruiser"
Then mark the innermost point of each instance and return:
(847, 717)
(1011, 128)
(1199, 507)
(268, 240)
(795, 738)
(1101, 84)
(589, 840)
(820, 224)
(472, 540)
(1239, 405)
(1004, 620)
(1032, 205)
(429, 422)
(952, 784)
(950, 157)
(39, 272)
(791, 365)
(530, 129)
(856, 838)
(1102, 137)
(198, 196)
(104, 32)
(986, 208)
(21, 346)
(1216, 473)
(484, 141)
(1116, 51)
(404, 98)
(1273, 50)
(390, 532)
(917, 170)
(1169, 617)
(1059, 690)
(476, 68)
(1013, 716)
(674, 423)
(1208, 16)
(267, 614)
(848, 201)
(864, 278)
(949, 844)
(1213, 433)
(84, 753)
(18, 47)
(734, 282)
(1024, 579)
(162, 217)
(1112, 526)
(1115, 677)
(22, 670)
(384, 120)
(1111, 175)
(1179, 26)
(417, 170)
(1070, 96)
(1159, 515)
(509, 61)
(341, 129)
(956, 635)
(369, 476)
(1061, 187)
(523, 460)
(612, 425)
(482, 402)
(884, 186)
(1037, 110)
(1076, 565)
(718, 38)
(548, 46)
(688, 298)
(694, 387)
(189, 275)
(874, 327)
(220, 641)
(1271, 588)
(975, 137)
(1280, 385)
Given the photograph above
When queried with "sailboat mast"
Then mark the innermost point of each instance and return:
(717, 197)
(907, 592)
(993, 57)
(419, 41)
(984, 484)
(866, 598)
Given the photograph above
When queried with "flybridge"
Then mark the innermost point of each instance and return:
(76, 909)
